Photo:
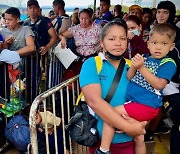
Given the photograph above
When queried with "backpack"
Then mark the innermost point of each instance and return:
(82, 125)
(17, 132)
(57, 24)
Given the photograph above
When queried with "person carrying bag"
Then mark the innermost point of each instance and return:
(82, 125)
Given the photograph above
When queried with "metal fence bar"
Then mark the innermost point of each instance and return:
(29, 69)
(68, 92)
(55, 131)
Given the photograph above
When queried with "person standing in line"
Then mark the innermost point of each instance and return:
(148, 75)
(118, 11)
(113, 40)
(18, 38)
(45, 39)
(136, 10)
(106, 15)
(166, 11)
(86, 37)
(136, 43)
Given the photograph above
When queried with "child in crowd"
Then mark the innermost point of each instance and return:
(148, 75)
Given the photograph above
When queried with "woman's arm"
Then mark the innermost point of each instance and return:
(63, 36)
(103, 109)
(52, 41)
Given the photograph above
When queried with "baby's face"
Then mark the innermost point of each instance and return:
(159, 45)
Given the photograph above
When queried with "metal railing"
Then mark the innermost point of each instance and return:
(14, 90)
(63, 95)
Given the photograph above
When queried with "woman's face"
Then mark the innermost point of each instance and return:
(162, 15)
(146, 18)
(85, 20)
(115, 41)
(104, 7)
(132, 25)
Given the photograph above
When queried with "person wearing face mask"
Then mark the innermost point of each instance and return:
(136, 43)
(95, 86)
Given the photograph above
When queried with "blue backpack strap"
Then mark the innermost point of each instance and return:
(58, 23)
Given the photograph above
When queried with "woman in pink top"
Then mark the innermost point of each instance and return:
(86, 34)
(86, 37)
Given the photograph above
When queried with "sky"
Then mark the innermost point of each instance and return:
(78, 3)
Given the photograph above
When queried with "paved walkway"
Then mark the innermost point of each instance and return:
(160, 146)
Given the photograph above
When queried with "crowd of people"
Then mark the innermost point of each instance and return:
(147, 37)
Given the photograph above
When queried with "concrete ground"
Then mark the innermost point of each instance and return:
(160, 146)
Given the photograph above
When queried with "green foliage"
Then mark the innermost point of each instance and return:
(178, 12)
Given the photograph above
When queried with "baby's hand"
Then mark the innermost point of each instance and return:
(138, 61)
(38, 118)
(130, 35)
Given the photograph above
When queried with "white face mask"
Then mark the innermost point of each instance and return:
(135, 31)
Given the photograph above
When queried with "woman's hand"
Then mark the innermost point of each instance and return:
(63, 43)
(137, 128)
(130, 35)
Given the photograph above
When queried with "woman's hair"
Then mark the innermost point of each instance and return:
(88, 11)
(147, 10)
(169, 6)
(134, 18)
(76, 16)
(117, 22)
(164, 29)
(13, 11)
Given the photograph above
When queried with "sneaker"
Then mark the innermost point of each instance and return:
(162, 129)
(98, 151)
(149, 137)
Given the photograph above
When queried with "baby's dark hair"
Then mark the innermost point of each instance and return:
(164, 29)
(118, 22)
